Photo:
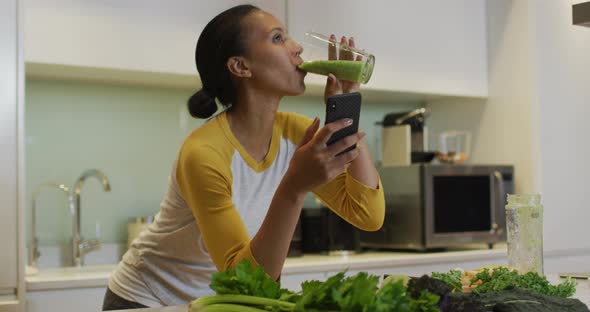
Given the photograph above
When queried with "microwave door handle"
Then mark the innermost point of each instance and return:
(500, 191)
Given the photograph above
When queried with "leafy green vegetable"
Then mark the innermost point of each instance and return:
(392, 296)
(244, 280)
(417, 285)
(392, 278)
(316, 295)
(452, 278)
(514, 300)
(251, 289)
(499, 279)
(426, 302)
(356, 292)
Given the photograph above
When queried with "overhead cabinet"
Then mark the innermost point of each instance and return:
(424, 46)
(149, 35)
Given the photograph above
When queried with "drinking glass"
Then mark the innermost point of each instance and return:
(524, 221)
(323, 56)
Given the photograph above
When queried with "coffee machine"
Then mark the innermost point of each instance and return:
(404, 138)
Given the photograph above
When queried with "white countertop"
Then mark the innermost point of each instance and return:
(369, 260)
(98, 275)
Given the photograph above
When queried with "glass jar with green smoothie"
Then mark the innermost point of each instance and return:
(322, 56)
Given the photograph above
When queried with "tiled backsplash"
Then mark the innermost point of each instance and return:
(130, 133)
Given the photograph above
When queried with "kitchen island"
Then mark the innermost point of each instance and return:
(582, 293)
(82, 289)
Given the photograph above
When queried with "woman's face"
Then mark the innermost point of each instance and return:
(272, 56)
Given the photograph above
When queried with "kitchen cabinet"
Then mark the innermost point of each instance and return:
(147, 36)
(66, 300)
(425, 46)
(424, 49)
(11, 225)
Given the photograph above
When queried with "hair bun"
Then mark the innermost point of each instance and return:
(202, 104)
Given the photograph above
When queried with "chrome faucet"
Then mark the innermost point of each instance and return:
(34, 253)
(80, 247)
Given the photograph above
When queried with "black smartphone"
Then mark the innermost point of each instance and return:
(342, 106)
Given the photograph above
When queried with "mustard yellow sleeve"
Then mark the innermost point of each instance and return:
(204, 180)
(358, 204)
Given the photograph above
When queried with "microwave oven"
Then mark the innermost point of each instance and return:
(441, 206)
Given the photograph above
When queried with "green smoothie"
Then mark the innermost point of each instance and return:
(344, 70)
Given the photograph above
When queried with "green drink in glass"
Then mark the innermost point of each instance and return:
(323, 56)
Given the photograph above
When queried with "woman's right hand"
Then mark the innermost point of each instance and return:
(314, 163)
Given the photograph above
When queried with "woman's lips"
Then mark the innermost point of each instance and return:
(302, 72)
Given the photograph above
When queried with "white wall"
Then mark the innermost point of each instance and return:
(502, 125)
(563, 89)
(537, 111)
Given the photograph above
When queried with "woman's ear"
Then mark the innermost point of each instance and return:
(238, 66)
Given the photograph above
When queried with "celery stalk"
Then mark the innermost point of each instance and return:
(225, 307)
(242, 300)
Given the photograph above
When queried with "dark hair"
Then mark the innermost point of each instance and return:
(221, 39)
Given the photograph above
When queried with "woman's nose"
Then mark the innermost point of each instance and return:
(298, 49)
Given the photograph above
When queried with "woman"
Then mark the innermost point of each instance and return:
(239, 182)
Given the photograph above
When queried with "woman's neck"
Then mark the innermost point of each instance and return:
(251, 120)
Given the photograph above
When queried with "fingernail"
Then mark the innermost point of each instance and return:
(348, 121)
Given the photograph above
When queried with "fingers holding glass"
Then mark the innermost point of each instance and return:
(332, 53)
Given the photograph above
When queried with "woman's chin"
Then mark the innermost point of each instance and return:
(298, 91)
(301, 89)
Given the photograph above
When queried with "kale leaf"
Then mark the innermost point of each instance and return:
(452, 278)
(502, 278)
(513, 300)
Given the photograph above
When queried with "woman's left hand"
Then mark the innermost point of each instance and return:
(335, 86)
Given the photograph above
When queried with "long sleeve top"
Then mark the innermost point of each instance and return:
(217, 198)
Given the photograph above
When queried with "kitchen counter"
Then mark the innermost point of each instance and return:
(370, 260)
(82, 289)
(98, 275)
(583, 294)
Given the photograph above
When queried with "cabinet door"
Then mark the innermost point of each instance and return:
(8, 146)
(11, 282)
(426, 46)
(143, 35)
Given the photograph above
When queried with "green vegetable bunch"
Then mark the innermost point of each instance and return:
(245, 280)
(452, 278)
(499, 279)
(360, 293)
(251, 290)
